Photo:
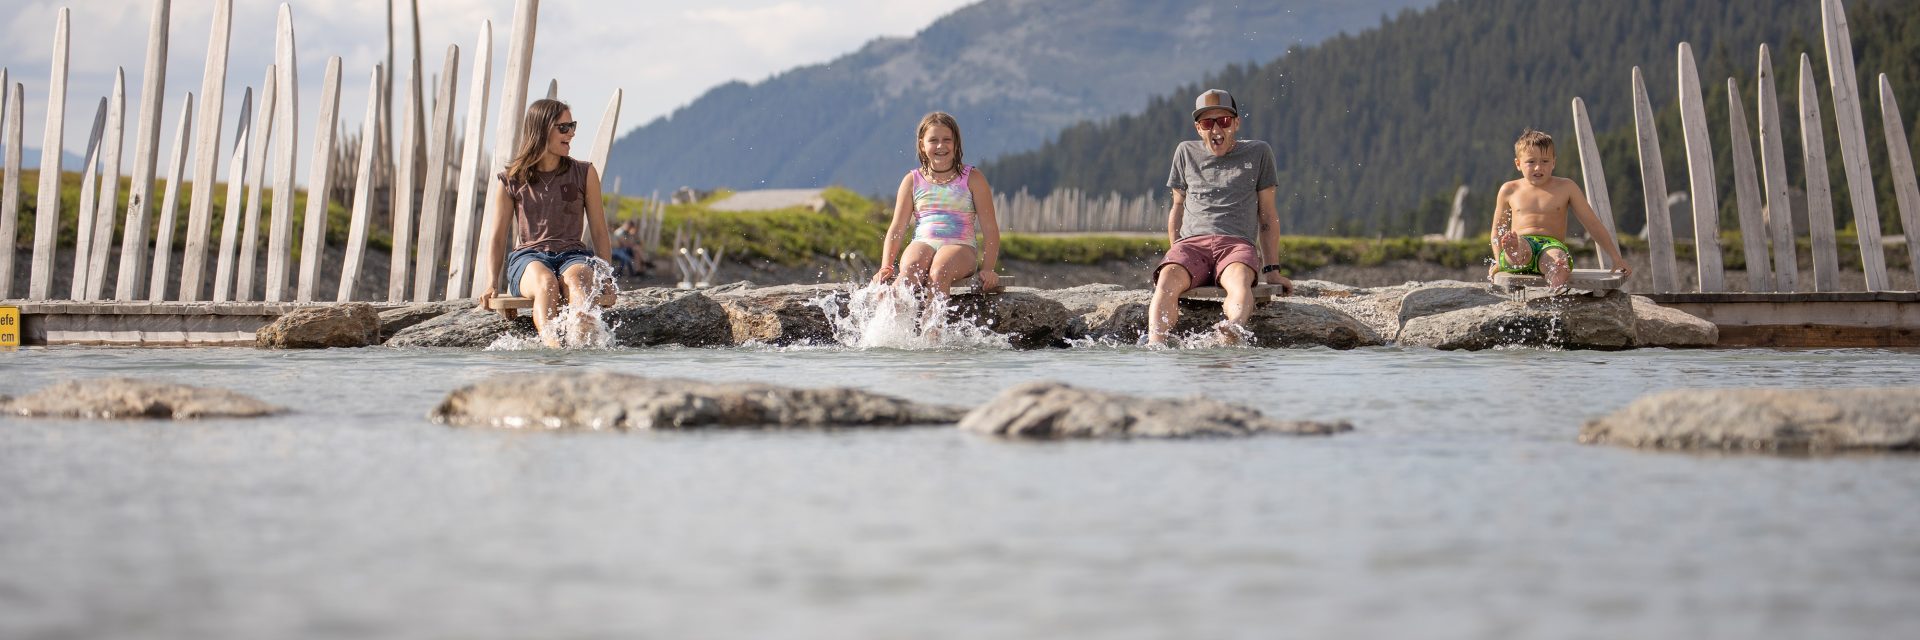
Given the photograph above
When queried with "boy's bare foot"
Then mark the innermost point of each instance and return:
(1519, 253)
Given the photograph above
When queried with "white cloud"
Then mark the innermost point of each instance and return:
(661, 53)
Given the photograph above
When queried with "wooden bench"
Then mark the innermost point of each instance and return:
(1596, 282)
(518, 302)
(1262, 293)
(1005, 281)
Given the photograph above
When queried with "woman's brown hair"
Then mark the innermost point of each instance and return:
(534, 132)
(943, 119)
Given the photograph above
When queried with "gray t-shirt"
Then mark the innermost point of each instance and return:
(1222, 192)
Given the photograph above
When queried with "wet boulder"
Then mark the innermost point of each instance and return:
(470, 328)
(131, 398)
(783, 315)
(353, 324)
(1051, 410)
(1570, 322)
(1285, 323)
(606, 400)
(395, 320)
(1770, 420)
(1028, 320)
(658, 316)
(1658, 326)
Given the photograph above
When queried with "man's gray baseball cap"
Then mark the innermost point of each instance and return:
(1214, 99)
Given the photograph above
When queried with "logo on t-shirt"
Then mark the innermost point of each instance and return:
(1246, 165)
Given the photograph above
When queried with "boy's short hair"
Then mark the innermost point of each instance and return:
(1531, 139)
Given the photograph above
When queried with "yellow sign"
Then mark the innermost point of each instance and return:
(9, 326)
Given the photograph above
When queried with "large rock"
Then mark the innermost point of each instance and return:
(1055, 410)
(353, 324)
(653, 317)
(604, 400)
(1780, 420)
(1658, 326)
(1444, 296)
(783, 315)
(470, 328)
(1080, 300)
(1571, 322)
(125, 398)
(395, 320)
(1286, 323)
(1028, 320)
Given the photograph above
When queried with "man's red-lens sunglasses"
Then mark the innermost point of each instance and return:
(1216, 122)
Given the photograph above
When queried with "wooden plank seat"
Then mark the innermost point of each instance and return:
(518, 302)
(1262, 293)
(974, 287)
(1597, 282)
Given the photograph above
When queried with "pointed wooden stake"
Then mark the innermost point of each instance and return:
(89, 190)
(1773, 167)
(313, 240)
(1813, 143)
(433, 210)
(1853, 142)
(286, 108)
(1653, 180)
(236, 200)
(10, 182)
(513, 107)
(1906, 190)
(109, 200)
(260, 136)
(206, 164)
(1746, 193)
(398, 275)
(356, 249)
(146, 150)
(163, 236)
(1592, 174)
(1706, 195)
(460, 260)
(553, 89)
(46, 216)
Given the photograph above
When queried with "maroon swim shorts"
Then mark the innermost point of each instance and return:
(1205, 257)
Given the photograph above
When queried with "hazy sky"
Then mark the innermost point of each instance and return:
(662, 54)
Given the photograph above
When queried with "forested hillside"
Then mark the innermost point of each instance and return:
(1374, 132)
(1014, 72)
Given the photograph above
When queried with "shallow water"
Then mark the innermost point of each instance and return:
(1461, 508)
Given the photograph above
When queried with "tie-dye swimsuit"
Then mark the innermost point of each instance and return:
(943, 213)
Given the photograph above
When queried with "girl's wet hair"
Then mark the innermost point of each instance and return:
(534, 135)
(943, 119)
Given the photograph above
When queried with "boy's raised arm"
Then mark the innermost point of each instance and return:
(1582, 211)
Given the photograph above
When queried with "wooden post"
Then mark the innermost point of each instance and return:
(513, 106)
(206, 164)
(286, 109)
(602, 148)
(1853, 142)
(313, 240)
(356, 249)
(1813, 143)
(1773, 167)
(460, 260)
(433, 211)
(163, 236)
(1746, 193)
(109, 203)
(10, 183)
(261, 135)
(1653, 181)
(1706, 196)
(236, 195)
(83, 219)
(402, 256)
(46, 216)
(553, 89)
(1906, 190)
(146, 149)
(1595, 178)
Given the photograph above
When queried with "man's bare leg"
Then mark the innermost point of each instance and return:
(1164, 312)
(1237, 280)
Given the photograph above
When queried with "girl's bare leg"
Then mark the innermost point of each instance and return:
(538, 282)
(580, 295)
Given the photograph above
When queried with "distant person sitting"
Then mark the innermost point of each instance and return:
(1530, 217)
(548, 198)
(624, 240)
(1223, 195)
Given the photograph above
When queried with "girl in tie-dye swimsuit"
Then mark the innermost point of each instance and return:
(946, 202)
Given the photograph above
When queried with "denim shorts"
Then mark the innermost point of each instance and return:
(556, 262)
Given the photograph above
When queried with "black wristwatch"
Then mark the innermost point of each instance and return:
(1270, 268)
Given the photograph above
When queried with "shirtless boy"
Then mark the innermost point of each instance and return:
(1530, 217)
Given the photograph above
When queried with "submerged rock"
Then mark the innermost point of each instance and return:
(127, 398)
(1571, 322)
(658, 316)
(353, 324)
(604, 400)
(1658, 326)
(1776, 420)
(1055, 410)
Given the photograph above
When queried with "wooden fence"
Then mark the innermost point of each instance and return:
(1070, 210)
(434, 187)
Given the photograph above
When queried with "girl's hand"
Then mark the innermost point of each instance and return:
(989, 280)
(885, 274)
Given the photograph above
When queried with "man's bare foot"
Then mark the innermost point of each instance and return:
(1154, 341)
(1232, 335)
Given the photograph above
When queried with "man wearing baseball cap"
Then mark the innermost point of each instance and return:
(1223, 200)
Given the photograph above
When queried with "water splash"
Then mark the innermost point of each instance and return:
(579, 324)
(886, 316)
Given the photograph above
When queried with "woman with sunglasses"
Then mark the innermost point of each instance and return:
(553, 199)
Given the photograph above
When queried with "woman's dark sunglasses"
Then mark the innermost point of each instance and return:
(565, 127)
(1216, 122)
